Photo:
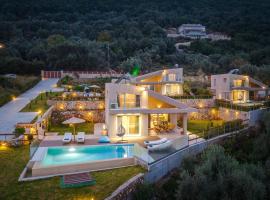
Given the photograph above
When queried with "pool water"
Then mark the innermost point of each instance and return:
(82, 154)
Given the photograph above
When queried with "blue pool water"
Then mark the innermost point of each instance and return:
(82, 154)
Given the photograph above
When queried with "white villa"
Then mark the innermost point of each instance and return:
(237, 88)
(192, 31)
(141, 104)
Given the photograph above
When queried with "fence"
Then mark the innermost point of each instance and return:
(220, 130)
(246, 108)
(192, 97)
(6, 136)
(34, 146)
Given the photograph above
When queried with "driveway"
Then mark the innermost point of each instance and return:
(10, 113)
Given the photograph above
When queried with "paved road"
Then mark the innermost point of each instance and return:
(10, 113)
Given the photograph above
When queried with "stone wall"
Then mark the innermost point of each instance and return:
(76, 105)
(198, 103)
(230, 114)
(96, 116)
(126, 190)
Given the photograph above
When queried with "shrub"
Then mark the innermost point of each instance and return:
(19, 131)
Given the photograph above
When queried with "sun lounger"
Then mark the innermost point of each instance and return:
(67, 138)
(80, 137)
(160, 147)
(155, 142)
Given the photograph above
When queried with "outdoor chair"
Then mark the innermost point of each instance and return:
(67, 138)
(80, 137)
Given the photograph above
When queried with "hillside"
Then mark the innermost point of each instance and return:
(119, 34)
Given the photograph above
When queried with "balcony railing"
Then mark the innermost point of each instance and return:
(246, 108)
(192, 97)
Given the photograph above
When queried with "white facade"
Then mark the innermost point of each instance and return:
(193, 31)
(136, 108)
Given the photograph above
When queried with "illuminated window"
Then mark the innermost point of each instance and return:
(172, 89)
(128, 100)
(238, 83)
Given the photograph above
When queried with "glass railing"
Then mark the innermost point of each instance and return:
(142, 154)
(34, 147)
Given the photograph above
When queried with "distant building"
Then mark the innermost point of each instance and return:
(237, 88)
(218, 36)
(192, 31)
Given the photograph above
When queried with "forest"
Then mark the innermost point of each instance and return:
(110, 34)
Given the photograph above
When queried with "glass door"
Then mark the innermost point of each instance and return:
(130, 124)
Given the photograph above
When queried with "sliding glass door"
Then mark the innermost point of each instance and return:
(130, 123)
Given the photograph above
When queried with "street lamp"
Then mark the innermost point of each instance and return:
(2, 46)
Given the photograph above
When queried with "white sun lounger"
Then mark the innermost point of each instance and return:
(160, 147)
(80, 137)
(155, 142)
(67, 138)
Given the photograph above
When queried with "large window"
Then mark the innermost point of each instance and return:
(130, 123)
(170, 77)
(238, 83)
(128, 100)
(172, 89)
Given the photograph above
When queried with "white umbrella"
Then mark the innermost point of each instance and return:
(94, 86)
(73, 121)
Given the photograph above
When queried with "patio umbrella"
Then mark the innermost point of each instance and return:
(73, 121)
(94, 86)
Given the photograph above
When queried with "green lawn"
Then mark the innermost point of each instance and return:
(40, 102)
(197, 126)
(62, 128)
(13, 160)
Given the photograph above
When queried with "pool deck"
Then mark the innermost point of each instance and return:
(50, 141)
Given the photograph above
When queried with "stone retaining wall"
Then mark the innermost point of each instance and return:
(76, 105)
(126, 190)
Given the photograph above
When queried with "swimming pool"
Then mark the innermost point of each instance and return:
(56, 156)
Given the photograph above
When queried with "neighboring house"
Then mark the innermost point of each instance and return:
(138, 110)
(237, 88)
(166, 82)
(218, 36)
(192, 31)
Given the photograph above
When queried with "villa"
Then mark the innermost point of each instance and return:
(137, 120)
(139, 109)
(192, 31)
(237, 88)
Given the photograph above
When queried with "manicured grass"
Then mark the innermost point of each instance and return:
(86, 127)
(40, 102)
(198, 126)
(13, 161)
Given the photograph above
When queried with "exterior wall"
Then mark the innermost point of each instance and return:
(111, 92)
